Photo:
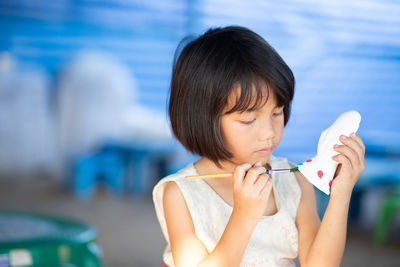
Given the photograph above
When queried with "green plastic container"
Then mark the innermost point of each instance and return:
(31, 239)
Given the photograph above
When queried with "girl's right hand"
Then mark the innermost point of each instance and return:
(251, 190)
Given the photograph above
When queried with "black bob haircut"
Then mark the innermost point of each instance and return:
(204, 76)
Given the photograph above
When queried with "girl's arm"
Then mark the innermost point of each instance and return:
(322, 244)
(252, 189)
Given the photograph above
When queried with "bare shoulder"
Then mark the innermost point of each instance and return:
(181, 232)
(173, 201)
(172, 192)
(176, 211)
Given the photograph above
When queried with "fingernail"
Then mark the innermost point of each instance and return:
(353, 135)
(246, 165)
(343, 136)
(258, 163)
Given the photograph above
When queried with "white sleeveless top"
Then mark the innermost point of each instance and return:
(274, 240)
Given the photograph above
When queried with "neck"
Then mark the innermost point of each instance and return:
(207, 166)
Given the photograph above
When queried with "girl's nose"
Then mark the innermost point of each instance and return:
(266, 131)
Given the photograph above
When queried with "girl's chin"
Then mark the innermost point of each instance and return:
(252, 160)
(264, 160)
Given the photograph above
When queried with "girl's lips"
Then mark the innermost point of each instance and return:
(264, 151)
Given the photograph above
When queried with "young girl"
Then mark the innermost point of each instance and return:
(230, 100)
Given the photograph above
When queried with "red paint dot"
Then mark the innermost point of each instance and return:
(330, 183)
(320, 174)
(308, 160)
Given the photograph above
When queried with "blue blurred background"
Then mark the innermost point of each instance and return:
(84, 86)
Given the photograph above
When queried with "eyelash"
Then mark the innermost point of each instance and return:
(250, 122)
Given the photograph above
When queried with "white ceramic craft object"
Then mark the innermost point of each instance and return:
(320, 169)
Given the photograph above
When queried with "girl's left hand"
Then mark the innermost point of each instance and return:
(351, 159)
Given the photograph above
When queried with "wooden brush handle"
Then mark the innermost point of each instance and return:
(217, 175)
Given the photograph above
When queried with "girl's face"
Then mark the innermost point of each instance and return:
(251, 136)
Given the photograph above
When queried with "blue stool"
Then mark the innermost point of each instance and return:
(146, 163)
(102, 166)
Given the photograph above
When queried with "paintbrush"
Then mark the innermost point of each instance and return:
(230, 174)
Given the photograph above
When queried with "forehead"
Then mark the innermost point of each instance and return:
(249, 100)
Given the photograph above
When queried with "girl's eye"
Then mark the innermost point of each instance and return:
(276, 114)
(248, 122)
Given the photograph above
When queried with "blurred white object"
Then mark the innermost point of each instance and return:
(93, 92)
(26, 135)
(321, 169)
(97, 101)
(144, 124)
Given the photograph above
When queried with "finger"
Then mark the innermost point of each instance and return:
(361, 154)
(252, 175)
(240, 172)
(351, 142)
(261, 181)
(348, 141)
(266, 190)
(258, 164)
(346, 164)
(359, 141)
(349, 153)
